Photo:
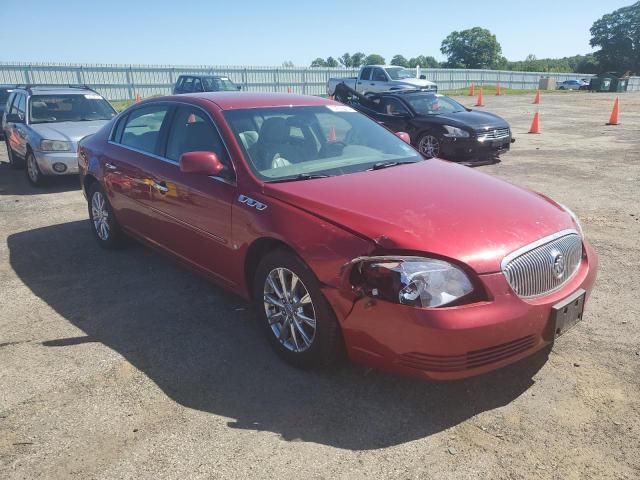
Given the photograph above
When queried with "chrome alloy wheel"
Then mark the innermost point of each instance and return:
(100, 215)
(32, 168)
(429, 146)
(289, 310)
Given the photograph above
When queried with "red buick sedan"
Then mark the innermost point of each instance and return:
(346, 239)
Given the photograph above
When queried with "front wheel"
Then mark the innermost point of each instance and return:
(297, 319)
(34, 175)
(429, 145)
(103, 222)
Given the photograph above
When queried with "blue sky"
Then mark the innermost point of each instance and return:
(269, 32)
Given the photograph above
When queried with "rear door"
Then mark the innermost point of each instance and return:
(195, 209)
(16, 132)
(129, 158)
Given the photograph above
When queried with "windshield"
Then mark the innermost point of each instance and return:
(282, 143)
(69, 108)
(433, 104)
(221, 84)
(399, 73)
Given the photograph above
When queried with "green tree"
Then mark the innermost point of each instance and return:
(618, 36)
(319, 62)
(399, 61)
(424, 62)
(345, 60)
(473, 48)
(332, 62)
(374, 59)
(357, 59)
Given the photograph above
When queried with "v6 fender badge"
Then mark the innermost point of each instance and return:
(250, 202)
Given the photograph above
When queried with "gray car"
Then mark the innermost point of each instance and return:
(43, 124)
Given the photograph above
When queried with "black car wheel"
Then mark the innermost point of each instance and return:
(103, 222)
(34, 175)
(14, 161)
(429, 145)
(297, 319)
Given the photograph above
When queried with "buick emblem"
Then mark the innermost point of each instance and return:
(557, 263)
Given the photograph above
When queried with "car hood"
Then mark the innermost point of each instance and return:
(67, 131)
(431, 207)
(474, 119)
(416, 82)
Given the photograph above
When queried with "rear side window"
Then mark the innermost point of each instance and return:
(187, 85)
(179, 83)
(192, 131)
(197, 85)
(19, 104)
(142, 128)
(366, 73)
(10, 101)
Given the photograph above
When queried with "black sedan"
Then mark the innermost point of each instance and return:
(438, 125)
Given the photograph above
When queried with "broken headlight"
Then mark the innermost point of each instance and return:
(415, 281)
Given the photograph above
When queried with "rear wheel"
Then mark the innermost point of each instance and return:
(297, 319)
(429, 145)
(34, 175)
(103, 222)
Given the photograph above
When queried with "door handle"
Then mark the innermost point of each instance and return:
(161, 187)
(110, 166)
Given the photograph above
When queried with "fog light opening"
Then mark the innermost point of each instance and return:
(59, 167)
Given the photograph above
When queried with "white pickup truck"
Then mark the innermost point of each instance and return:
(382, 78)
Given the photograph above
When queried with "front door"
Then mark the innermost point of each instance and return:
(195, 209)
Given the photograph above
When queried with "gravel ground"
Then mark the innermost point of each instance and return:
(125, 365)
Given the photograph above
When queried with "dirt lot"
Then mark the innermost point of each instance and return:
(124, 365)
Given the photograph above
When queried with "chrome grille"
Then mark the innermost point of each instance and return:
(545, 265)
(494, 134)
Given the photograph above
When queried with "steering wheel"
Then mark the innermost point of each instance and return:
(332, 149)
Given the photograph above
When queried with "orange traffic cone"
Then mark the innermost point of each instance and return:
(480, 102)
(536, 100)
(498, 93)
(138, 98)
(613, 119)
(472, 90)
(332, 135)
(535, 125)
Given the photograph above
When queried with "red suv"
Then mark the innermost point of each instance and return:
(346, 239)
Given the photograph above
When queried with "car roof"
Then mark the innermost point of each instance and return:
(56, 90)
(202, 75)
(244, 100)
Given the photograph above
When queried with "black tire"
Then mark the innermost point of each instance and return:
(14, 162)
(34, 175)
(104, 225)
(435, 140)
(326, 347)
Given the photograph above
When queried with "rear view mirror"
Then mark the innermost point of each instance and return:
(404, 136)
(206, 163)
(14, 118)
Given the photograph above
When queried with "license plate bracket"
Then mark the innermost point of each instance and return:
(568, 312)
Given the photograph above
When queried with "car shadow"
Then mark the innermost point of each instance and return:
(14, 182)
(202, 347)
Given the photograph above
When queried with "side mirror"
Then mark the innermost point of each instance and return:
(14, 118)
(423, 77)
(239, 87)
(404, 136)
(205, 163)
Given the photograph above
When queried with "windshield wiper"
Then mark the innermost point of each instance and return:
(303, 176)
(381, 165)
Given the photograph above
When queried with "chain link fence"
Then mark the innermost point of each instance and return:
(124, 82)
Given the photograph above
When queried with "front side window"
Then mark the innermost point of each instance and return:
(197, 85)
(69, 108)
(192, 131)
(289, 142)
(187, 84)
(379, 76)
(142, 128)
(393, 106)
(433, 104)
